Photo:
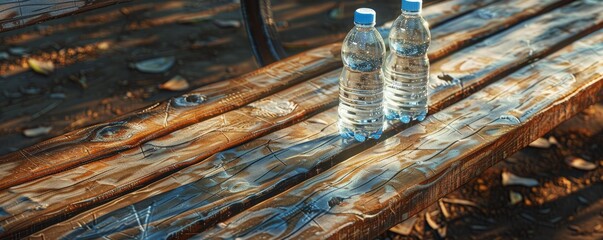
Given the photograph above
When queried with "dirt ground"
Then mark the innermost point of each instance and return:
(94, 81)
(566, 203)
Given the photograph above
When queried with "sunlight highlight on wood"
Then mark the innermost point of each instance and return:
(395, 179)
(131, 130)
(322, 146)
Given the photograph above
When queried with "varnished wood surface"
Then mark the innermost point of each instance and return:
(102, 140)
(374, 190)
(85, 199)
(441, 12)
(173, 214)
(129, 131)
(461, 73)
(485, 21)
(470, 28)
(20, 13)
(88, 184)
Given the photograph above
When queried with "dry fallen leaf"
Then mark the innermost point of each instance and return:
(479, 227)
(511, 179)
(227, 23)
(4, 55)
(30, 90)
(209, 42)
(337, 12)
(442, 231)
(444, 210)
(36, 132)
(432, 223)
(80, 79)
(177, 83)
(18, 51)
(579, 163)
(540, 143)
(553, 141)
(566, 183)
(575, 228)
(42, 67)
(103, 46)
(155, 65)
(194, 19)
(58, 96)
(405, 227)
(555, 219)
(12, 94)
(515, 197)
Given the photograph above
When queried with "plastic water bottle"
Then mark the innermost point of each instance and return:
(406, 68)
(361, 80)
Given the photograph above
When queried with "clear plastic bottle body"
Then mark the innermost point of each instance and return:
(406, 69)
(361, 84)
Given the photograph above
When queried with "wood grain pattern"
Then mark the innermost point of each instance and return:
(462, 73)
(20, 13)
(293, 154)
(101, 140)
(441, 12)
(485, 21)
(103, 179)
(475, 25)
(129, 131)
(374, 190)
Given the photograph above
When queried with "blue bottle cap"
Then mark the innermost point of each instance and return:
(412, 5)
(365, 16)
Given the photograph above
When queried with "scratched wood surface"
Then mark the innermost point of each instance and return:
(484, 21)
(129, 131)
(20, 13)
(441, 12)
(101, 140)
(390, 182)
(100, 193)
(170, 213)
(490, 18)
(459, 74)
(107, 177)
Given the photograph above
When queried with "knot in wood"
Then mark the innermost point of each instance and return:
(189, 100)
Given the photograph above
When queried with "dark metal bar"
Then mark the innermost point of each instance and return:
(261, 31)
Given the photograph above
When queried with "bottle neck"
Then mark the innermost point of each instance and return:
(411, 13)
(359, 25)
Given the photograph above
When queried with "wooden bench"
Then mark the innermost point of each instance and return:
(259, 155)
(20, 13)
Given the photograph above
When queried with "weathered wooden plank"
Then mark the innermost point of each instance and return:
(441, 12)
(474, 26)
(20, 13)
(483, 22)
(194, 198)
(390, 182)
(97, 181)
(94, 142)
(86, 144)
(455, 77)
